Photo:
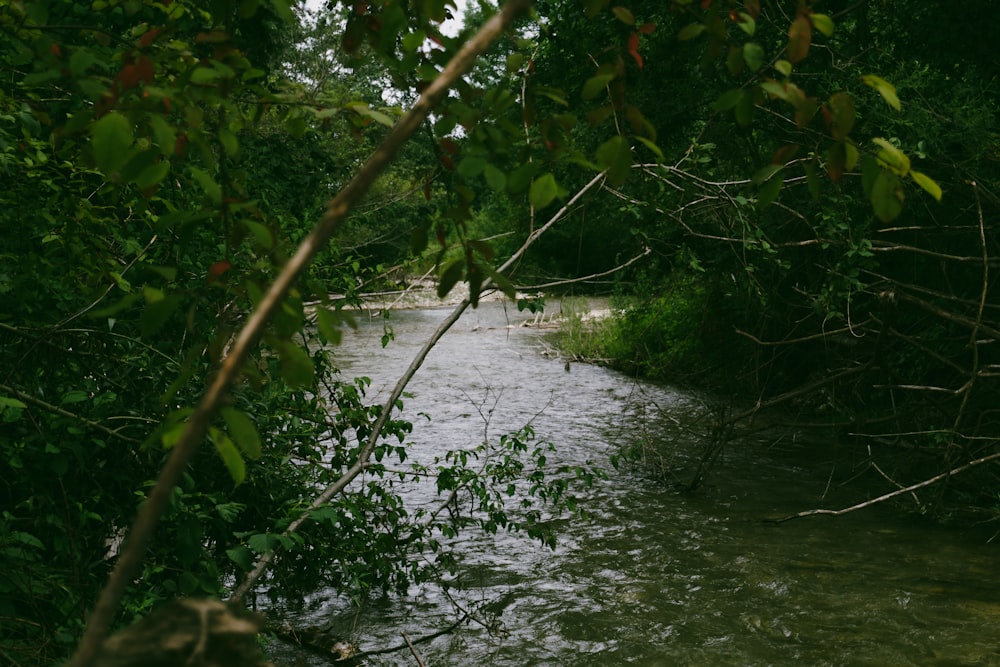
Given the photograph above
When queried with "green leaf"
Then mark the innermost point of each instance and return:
(543, 190)
(596, 85)
(75, 396)
(869, 172)
(229, 454)
(823, 23)
(242, 556)
(887, 196)
(152, 175)
(156, 314)
(329, 325)
(765, 174)
(812, 178)
(615, 156)
(728, 99)
(204, 75)
(884, 88)
(229, 142)
(651, 146)
(769, 192)
(212, 189)
(262, 234)
(775, 89)
(623, 15)
(262, 542)
(690, 31)
(494, 177)
(519, 179)
(120, 281)
(7, 402)
(799, 39)
(747, 23)
(502, 283)
(471, 166)
(243, 432)
(891, 157)
(296, 365)
(450, 276)
(842, 115)
(164, 133)
(784, 67)
(111, 138)
(413, 40)
(364, 110)
(744, 111)
(753, 55)
(927, 183)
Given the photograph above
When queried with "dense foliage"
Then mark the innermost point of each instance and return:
(838, 304)
(163, 159)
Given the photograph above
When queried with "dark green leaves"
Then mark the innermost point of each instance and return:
(884, 88)
(229, 454)
(615, 156)
(296, 365)
(449, 277)
(543, 190)
(111, 138)
(242, 431)
(596, 84)
(887, 196)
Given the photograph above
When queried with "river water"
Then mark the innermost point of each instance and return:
(653, 576)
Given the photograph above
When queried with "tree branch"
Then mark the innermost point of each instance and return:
(893, 494)
(55, 409)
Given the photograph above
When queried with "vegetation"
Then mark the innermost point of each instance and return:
(164, 160)
(844, 310)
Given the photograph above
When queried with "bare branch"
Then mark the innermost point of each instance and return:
(582, 279)
(55, 409)
(898, 492)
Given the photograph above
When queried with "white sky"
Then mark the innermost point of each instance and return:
(450, 27)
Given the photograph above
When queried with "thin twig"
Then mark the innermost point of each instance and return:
(893, 494)
(570, 281)
(55, 409)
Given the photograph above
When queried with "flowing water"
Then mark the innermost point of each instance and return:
(653, 576)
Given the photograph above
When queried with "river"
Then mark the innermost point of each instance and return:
(653, 576)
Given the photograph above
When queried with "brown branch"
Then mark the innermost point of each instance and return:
(338, 208)
(789, 341)
(880, 246)
(55, 409)
(893, 494)
(974, 334)
(946, 315)
(572, 281)
(413, 650)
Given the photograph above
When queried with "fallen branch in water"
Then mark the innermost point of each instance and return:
(898, 492)
(413, 650)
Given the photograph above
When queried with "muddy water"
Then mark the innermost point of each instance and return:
(653, 576)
